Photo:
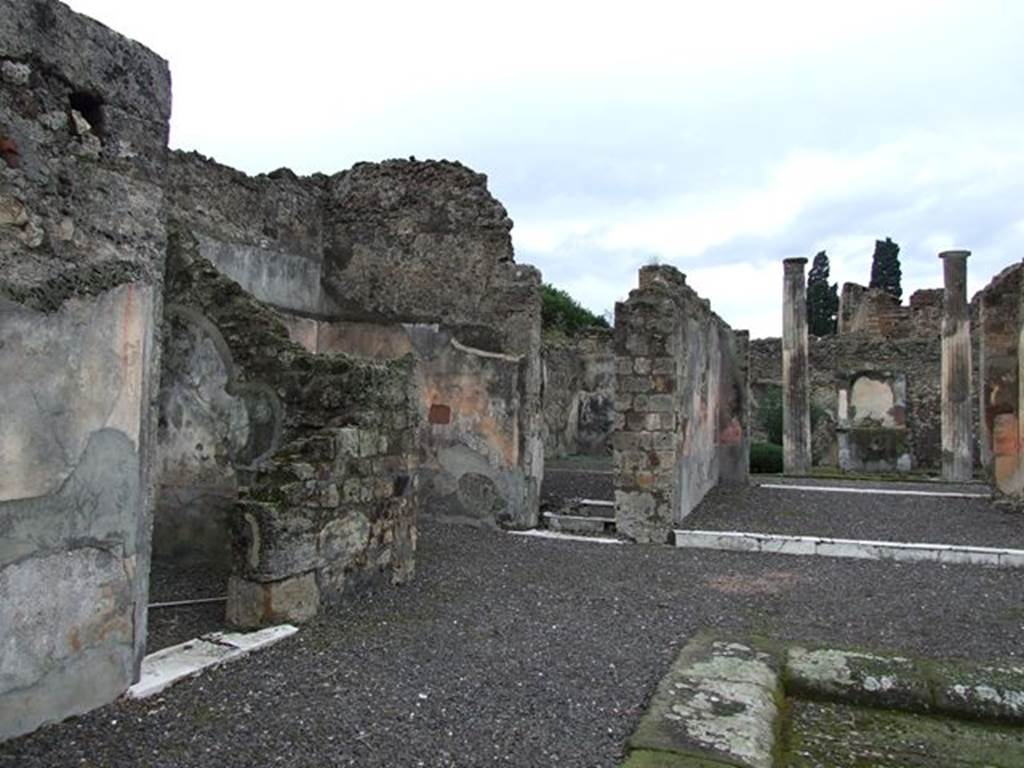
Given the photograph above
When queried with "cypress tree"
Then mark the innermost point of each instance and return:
(885, 268)
(822, 298)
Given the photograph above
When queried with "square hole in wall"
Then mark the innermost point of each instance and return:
(440, 414)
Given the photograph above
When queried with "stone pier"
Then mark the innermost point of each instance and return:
(796, 411)
(957, 459)
(680, 400)
(997, 332)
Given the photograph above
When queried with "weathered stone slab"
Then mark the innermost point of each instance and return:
(718, 702)
(885, 681)
(956, 688)
(989, 692)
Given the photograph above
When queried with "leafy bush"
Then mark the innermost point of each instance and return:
(769, 412)
(560, 311)
(765, 458)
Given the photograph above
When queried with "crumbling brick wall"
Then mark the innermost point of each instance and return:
(396, 258)
(424, 243)
(878, 313)
(327, 499)
(835, 364)
(83, 132)
(579, 393)
(680, 404)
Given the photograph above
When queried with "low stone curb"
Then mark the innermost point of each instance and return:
(577, 523)
(873, 491)
(168, 666)
(540, 533)
(784, 544)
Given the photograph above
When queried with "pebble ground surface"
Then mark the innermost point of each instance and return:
(174, 582)
(507, 650)
(924, 519)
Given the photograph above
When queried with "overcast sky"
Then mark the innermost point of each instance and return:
(720, 137)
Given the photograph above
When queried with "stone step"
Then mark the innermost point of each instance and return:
(592, 524)
(587, 508)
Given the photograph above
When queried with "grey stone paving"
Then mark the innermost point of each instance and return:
(508, 650)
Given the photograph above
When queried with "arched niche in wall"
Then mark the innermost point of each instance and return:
(212, 428)
(872, 431)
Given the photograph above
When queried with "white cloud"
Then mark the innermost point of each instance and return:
(718, 136)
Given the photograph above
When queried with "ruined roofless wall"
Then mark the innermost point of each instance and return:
(998, 335)
(879, 337)
(681, 404)
(83, 132)
(836, 361)
(389, 259)
(323, 448)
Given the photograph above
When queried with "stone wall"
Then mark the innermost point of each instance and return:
(470, 403)
(877, 313)
(425, 243)
(880, 345)
(83, 131)
(579, 393)
(321, 447)
(383, 260)
(681, 405)
(766, 382)
(837, 363)
(998, 334)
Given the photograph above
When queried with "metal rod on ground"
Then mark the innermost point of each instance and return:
(196, 601)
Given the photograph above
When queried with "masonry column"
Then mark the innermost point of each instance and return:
(957, 459)
(796, 410)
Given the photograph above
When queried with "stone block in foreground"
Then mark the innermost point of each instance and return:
(718, 705)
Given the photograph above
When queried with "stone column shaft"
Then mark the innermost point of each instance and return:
(957, 454)
(796, 410)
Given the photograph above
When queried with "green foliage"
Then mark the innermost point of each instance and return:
(560, 311)
(765, 458)
(822, 298)
(769, 413)
(885, 268)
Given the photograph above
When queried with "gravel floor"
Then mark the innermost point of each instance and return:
(859, 516)
(507, 650)
(583, 477)
(174, 581)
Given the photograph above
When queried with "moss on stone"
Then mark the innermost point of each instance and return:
(841, 736)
